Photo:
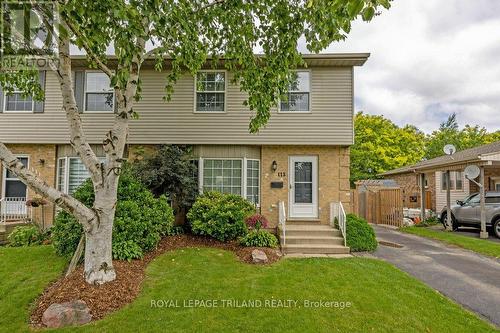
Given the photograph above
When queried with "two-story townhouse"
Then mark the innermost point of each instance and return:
(300, 158)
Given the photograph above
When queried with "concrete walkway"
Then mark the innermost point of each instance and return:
(470, 279)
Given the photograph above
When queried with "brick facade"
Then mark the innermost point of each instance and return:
(41, 159)
(411, 189)
(333, 177)
(491, 177)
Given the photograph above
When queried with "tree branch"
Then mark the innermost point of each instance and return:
(78, 139)
(84, 215)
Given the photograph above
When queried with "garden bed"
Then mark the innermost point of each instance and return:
(112, 296)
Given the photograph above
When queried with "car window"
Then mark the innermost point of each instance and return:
(493, 200)
(474, 200)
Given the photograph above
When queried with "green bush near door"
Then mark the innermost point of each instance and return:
(360, 235)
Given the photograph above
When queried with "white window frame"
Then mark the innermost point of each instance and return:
(309, 92)
(5, 95)
(4, 175)
(66, 170)
(95, 92)
(453, 181)
(243, 174)
(196, 90)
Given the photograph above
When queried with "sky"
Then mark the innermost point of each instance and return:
(429, 59)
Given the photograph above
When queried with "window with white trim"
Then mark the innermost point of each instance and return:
(456, 181)
(237, 176)
(253, 181)
(71, 173)
(210, 91)
(99, 96)
(16, 102)
(297, 97)
(222, 175)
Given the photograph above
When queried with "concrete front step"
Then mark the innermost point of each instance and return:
(301, 239)
(303, 222)
(313, 231)
(315, 249)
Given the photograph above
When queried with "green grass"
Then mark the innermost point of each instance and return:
(24, 273)
(383, 298)
(474, 244)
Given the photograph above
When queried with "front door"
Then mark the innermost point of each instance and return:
(303, 194)
(14, 192)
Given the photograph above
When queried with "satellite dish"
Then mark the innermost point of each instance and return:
(449, 149)
(472, 172)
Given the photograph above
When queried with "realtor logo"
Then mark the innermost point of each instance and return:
(27, 32)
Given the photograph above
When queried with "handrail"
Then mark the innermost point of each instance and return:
(282, 220)
(14, 208)
(337, 212)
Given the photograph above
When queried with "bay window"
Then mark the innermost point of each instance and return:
(71, 173)
(236, 176)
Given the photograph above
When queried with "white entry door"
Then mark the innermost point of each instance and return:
(303, 193)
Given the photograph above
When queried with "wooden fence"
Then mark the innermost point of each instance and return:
(380, 206)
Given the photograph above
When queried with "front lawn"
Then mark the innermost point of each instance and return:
(474, 244)
(383, 298)
(24, 273)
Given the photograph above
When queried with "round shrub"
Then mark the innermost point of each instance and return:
(259, 238)
(360, 235)
(141, 220)
(256, 221)
(221, 216)
(25, 235)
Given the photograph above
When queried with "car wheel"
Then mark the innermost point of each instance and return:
(496, 228)
(454, 223)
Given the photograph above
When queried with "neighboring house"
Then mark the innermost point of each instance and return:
(486, 157)
(300, 158)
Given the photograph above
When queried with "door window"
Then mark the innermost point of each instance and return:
(303, 182)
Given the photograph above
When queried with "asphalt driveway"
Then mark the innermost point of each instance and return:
(470, 279)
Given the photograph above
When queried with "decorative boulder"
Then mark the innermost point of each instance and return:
(407, 222)
(259, 256)
(66, 314)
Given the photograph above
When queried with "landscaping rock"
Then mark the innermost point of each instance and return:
(66, 314)
(279, 254)
(259, 257)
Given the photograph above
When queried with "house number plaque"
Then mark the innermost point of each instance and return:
(282, 174)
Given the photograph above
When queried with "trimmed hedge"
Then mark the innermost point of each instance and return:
(360, 235)
(141, 220)
(221, 216)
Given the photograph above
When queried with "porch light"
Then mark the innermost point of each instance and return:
(274, 166)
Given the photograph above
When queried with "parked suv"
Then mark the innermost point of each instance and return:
(467, 212)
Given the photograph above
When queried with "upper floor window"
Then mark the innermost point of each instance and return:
(210, 91)
(16, 102)
(298, 94)
(99, 96)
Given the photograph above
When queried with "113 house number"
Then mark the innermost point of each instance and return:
(282, 174)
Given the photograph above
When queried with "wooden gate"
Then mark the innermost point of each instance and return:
(381, 206)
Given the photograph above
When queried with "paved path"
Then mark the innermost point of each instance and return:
(470, 279)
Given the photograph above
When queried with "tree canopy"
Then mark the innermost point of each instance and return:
(380, 145)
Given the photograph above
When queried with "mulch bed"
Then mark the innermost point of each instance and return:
(112, 296)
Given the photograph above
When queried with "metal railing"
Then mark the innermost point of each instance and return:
(338, 218)
(282, 220)
(14, 209)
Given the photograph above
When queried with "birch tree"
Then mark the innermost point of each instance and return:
(178, 36)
